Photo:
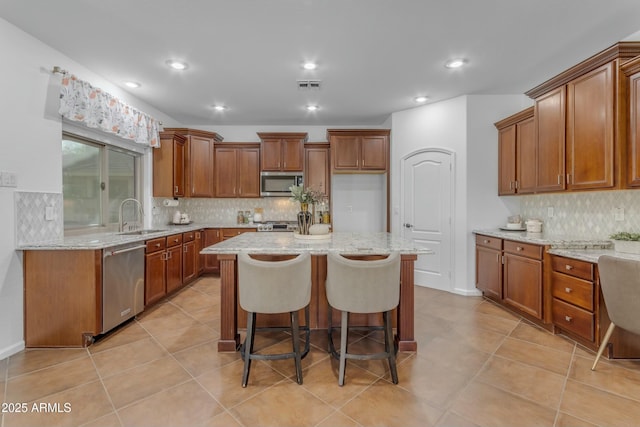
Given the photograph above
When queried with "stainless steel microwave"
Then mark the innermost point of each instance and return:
(276, 184)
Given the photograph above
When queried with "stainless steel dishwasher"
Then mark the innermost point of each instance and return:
(122, 284)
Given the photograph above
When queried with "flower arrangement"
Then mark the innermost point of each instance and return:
(626, 242)
(308, 195)
(623, 235)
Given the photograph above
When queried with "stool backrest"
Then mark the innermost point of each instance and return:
(620, 284)
(274, 286)
(360, 286)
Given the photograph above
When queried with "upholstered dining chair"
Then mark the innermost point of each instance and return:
(274, 287)
(363, 286)
(620, 284)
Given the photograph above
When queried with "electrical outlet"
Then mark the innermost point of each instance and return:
(8, 179)
(550, 211)
(618, 214)
(49, 213)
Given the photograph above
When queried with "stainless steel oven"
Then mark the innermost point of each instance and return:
(276, 184)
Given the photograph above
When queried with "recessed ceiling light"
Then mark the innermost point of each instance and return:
(177, 65)
(312, 108)
(132, 85)
(309, 65)
(219, 107)
(455, 63)
(421, 99)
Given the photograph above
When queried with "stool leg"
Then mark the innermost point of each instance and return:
(603, 345)
(295, 332)
(390, 346)
(343, 346)
(248, 347)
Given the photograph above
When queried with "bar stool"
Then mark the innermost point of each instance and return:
(359, 286)
(274, 287)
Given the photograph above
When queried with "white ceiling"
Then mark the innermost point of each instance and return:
(374, 56)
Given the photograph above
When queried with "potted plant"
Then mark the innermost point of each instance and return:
(305, 197)
(626, 242)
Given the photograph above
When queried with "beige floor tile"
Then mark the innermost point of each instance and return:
(284, 404)
(176, 340)
(62, 376)
(609, 376)
(383, 404)
(109, 420)
(474, 320)
(207, 315)
(191, 300)
(532, 383)
(126, 334)
(166, 317)
(488, 406)
(453, 355)
(287, 367)
(528, 332)
(225, 384)
(598, 406)
(565, 420)
(3, 368)
(535, 355)
(490, 308)
(451, 419)
(338, 419)
(483, 340)
(139, 382)
(71, 407)
(204, 358)
(187, 404)
(208, 285)
(126, 356)
(33, 359)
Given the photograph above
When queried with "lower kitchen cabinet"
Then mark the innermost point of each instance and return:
(211, 237)
(189, 257)
(200, 258)
(163, 267)
(489, 266)
(174, 262)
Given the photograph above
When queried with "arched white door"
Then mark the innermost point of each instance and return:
(427, 214)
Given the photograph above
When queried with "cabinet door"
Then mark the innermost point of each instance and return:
(154, 281)
(373, 153)
(174, 268)
(179, 156)
(225, 172)
(168, 166)
(200, 259)
(316, 169)
(292, 154)
(590, 130)
(211, 237)
(189, 262)
(345, 152)
(526, 156)
(248, 172)
(271, 155)
(633, 179)
(507, 160)
(522, 285)
(489, 271)
(550, 140)
(200, 166)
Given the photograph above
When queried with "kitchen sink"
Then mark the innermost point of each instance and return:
(141, 232)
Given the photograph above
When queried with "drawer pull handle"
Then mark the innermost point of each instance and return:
(568, 318)
(519, 248)
(157, 245)
(568, 290)
(568, 267)
(486, 241)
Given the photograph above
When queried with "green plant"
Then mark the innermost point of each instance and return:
(302, 195)
(624, 235)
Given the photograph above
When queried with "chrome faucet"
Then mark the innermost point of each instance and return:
(136, 224)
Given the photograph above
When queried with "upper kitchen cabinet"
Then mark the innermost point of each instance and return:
(237, 170)
(581, 124)
(516, 154)
(199, 171)
(359, 150)
(282, 151)
(169, 166)
(316, 167)
(631, 70)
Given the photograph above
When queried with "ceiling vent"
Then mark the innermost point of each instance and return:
(308, 84)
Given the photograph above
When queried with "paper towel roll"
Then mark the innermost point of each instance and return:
(170, 203)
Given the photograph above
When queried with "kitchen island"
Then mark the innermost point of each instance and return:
(280, 245)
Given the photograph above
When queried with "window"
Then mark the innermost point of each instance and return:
(96, 178)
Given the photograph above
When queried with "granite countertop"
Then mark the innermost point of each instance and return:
(342, 242)
(108, 239)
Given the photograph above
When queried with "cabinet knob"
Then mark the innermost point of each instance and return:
(568, 290)
(519, 248)
(568, 267)
(486, 241)
(176, 189)
(568, 318)
(157, 245)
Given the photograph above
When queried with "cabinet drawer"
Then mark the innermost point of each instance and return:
(573, 319)
(188, 236)
(489, 242)
(523, 249)
(155, 245)
(573, 290)
(573, 267)
(174, 240)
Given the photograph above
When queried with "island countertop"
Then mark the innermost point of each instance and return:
(349, 243)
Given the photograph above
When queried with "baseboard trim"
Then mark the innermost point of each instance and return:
(468, 292)
(11, 350)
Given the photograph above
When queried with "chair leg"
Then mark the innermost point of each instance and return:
(248, 347)
(343, 346)
(295, 332)
(603, 345)
(390, 346)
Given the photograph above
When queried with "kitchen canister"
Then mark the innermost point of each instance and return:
(534, 226)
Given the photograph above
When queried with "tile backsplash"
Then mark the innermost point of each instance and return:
(585, 214)
(32, 226)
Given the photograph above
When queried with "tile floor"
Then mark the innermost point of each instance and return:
(476, 365)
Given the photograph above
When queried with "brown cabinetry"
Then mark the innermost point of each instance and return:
(228, 233)
(549, 113)
(163, 267)
(169, 166)
(359, 150)
(200, 258)
(237, 170)
(316, 168)
(282, 151)
(516, 154)
(189, 257)
(489, 266)
(211, 237)
(631, 70)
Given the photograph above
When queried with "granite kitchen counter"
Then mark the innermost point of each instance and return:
(553, 240)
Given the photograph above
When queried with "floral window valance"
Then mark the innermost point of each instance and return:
(81, 102)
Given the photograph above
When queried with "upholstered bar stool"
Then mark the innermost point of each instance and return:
(360, 286)
(274, 287)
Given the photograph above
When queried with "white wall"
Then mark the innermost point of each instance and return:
(31, 148)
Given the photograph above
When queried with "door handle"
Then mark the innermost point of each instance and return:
(407, 225)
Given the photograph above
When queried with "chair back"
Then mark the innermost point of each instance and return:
(360, 286)
(274, 286)
(620, 284)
